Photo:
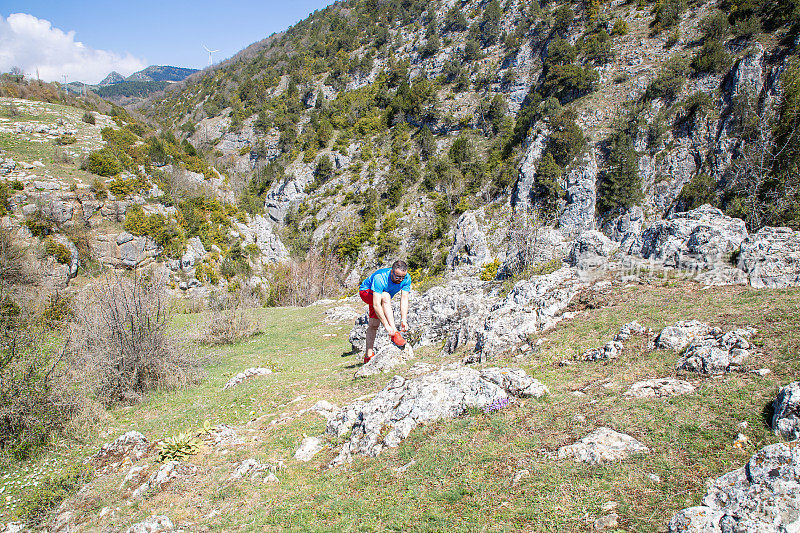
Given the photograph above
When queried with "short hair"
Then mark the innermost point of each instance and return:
(400, 265)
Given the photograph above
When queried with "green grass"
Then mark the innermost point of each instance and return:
(460, 479)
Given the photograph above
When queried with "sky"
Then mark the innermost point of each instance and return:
(86, 40)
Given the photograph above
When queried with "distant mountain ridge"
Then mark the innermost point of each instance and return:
(140, 84)
(161, 73)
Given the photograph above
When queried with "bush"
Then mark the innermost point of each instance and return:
(620, 186)
(65, 139)
(489, 271)
(38, 226)
(100, 189)
(562, 20)
(620, 27)
(103, 162)
(715, 26)
(667, 14)
(124, 340)
(230, 321)
(700, 190)
(669, 81)
(568, 82)
(712, 57)
(88, 118)
(548, 189)
(57, 250)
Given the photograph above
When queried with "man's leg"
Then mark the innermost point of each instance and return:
(372, 331)
(386, 302)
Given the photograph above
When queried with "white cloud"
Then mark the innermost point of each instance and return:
(29, 43)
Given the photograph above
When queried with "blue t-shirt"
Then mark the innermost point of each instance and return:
(381, 281)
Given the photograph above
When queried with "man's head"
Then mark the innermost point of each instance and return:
(399, 271)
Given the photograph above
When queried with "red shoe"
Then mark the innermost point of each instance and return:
(398, 339)
(367, 359)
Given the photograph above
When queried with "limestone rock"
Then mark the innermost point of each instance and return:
(165, 473)
(309, 447)
(388, 357)
(659, 388)
(771, 258)
(223, 435)
(591, 249)
(715, 352)
(762, 496)
(681, 334)
(786, 415)
(603, 445)
(154, 524)
(344, 313)
(609, 350)
(249, 468)
(259, 232)
(699, 239)
(532, 306)
(469, 243)
(578, 214)
(241, 376)
(391, 415)
(134, 252)
(126, 449)
(195, 252)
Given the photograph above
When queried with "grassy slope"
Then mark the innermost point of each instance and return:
(461, 480)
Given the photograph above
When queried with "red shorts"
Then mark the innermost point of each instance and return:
(366, 295)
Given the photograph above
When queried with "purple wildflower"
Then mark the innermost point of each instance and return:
(500, 403)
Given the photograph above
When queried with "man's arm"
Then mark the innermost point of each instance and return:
(377, 304)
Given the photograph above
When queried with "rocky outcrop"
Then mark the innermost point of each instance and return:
(578, 213)
(259, 232)
(716, 352)
(762, 496)
(786, 412)
(591, 250)
(532, 306)
(625, 227)
(771, 258)
(612, 348)
(699, 239)
(451, 313)
(289, 193)
(403, 404)
(469, 243)
(603, 445)
(125, 450)
(679, 335)
(165, 473)
(309, 447)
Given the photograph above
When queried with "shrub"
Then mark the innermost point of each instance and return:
(620, 27)
(700, 190)
(620, 185)
(124, 339)
(562, 20)
(715, 26)
(669, 81)
(712, 57)
(489, 271)
(88, 118)
(38, 226)
(178, 448)
(100, 189)
(66, 139)
(568, 82)
(103, 162)
(548, 189)
(57, 250)
(667, 14)
(567, 140)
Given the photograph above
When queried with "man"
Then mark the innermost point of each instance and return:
(377, 291)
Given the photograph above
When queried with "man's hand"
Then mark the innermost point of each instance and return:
(403, 326)
(390, 330)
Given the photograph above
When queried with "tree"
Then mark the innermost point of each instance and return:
(548, 188)
(567, 140)
(620, 186)
(490, 25)
(562, 20)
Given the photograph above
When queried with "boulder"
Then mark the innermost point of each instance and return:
(249, 468)
(703, 238)
(309, 447)
(343, 313)
(762, 496)
(659, 388)
(126, 449)
(165, 473)
(591, 249)
(132, 253)
(603, 445)
(771, 258)
(388, 357)
(715, 352)
(195, 252)
(469, 243)
(786, 412)
(679, 335)
(391, 415)
(259, 232)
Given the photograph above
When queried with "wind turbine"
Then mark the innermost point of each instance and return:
(210, 59)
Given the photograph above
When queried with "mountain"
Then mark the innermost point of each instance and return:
(111, 79)
(161, 73)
